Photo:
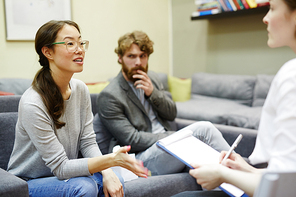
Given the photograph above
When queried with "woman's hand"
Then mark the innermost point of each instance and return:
(122, 159)
(111, 184)
(208, 176)
(236, 162)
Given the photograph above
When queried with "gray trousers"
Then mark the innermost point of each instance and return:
(159, 162)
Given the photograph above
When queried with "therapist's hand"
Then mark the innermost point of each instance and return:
(236, 162)
(209, 176)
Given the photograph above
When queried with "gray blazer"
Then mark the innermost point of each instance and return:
(123, 115)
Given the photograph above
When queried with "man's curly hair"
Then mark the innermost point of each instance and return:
(137, 37)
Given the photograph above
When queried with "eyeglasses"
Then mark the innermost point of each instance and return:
(72, 46)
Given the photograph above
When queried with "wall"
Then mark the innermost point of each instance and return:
(189, 40)
(102, 23)
(235, 45)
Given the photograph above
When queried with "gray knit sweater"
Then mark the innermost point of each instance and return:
(41, 150)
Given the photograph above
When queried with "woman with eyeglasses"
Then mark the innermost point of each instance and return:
(55, 124)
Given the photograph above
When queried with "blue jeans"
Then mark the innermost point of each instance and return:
(159, 162)
(79, 186)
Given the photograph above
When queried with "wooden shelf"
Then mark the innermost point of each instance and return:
(258, 10)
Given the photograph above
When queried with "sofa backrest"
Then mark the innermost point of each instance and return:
(16, 86)
(238, 88)
(261, 89)
(9, 103)
(7, 134)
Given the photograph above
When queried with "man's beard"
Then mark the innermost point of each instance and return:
(130, 72)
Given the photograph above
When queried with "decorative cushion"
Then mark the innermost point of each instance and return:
(238, 88)
(261, 89)
(96, 87)
(179, 88)
(5, 93)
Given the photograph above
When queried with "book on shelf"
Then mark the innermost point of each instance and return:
(206, 7)
(232, 5)
(228, 5)
(206, 12)
(188, 149)
(199, 2)
(223, 5)
(241, 4)
(252, 3)
(261, 3)
(209, 6)
(246, 5)
(238, 6)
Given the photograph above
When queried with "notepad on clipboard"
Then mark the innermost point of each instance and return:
(188, 149)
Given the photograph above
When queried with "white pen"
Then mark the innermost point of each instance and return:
(234, 145)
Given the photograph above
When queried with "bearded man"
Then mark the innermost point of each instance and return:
(135, 109)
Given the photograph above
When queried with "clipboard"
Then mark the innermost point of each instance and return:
(185, 147)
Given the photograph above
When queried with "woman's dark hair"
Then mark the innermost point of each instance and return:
(43, 82)
(291, 4)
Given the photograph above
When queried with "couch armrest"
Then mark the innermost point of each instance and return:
(11, 185)
(162, 186)
(247, 144)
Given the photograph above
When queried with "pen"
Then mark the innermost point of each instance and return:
(234, 145)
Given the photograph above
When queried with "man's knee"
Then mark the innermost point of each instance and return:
(204, 127)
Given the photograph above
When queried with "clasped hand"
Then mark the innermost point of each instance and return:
(143, 83)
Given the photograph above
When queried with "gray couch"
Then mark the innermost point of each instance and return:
(234, 100)
(10, 185)
(165, 185)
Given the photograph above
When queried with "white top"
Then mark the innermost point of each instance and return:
(276, 140)
(41, 150)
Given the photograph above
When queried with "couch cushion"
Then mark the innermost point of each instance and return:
(206, 108)
(7, 133)
(261, 89)
(238, 88)
(219, 111)
(245, 117)
(15, 85)
(12, 185)
(163, 185)
(179, 88)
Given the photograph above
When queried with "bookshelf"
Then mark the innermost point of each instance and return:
(258, 10)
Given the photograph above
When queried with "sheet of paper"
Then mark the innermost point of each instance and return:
(192, 150)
